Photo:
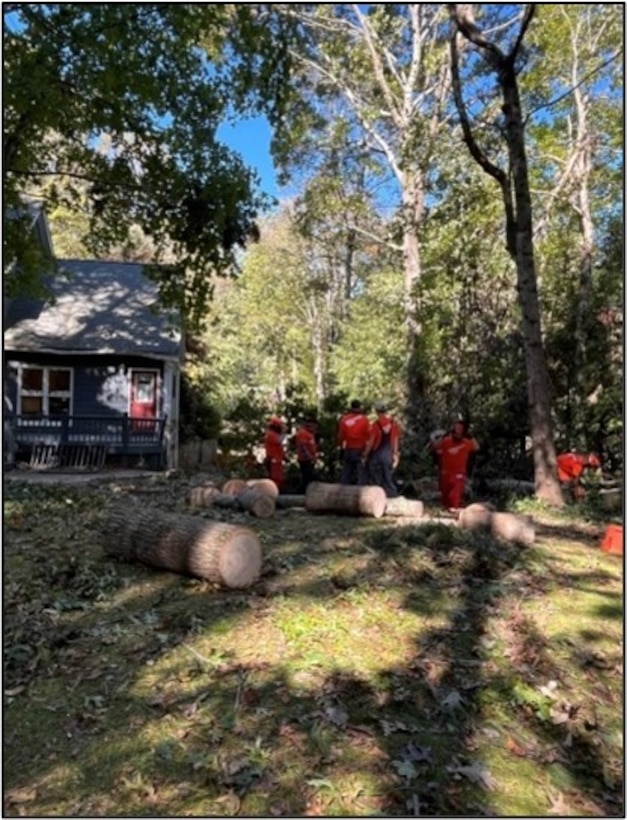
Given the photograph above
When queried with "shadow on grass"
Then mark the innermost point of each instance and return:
(246, 736)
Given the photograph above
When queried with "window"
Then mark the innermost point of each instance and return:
(44, 391)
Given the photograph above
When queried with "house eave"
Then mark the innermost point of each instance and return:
(104, 351)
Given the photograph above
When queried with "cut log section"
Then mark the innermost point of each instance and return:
(264, 485)
(405, 507)
(202, 496)
(259, 504)
(504, 525)
(350, 500)
(221, 553)
(233, 486)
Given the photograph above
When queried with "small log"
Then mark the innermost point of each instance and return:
(350, 500)
(259, 504)
(221, 553)
(233, 486)
(203, 496)
(504, 525)
(287, 500)
(264, 485)
(406, 507)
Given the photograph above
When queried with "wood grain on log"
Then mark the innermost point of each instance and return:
(259, 504)
(505, 525)
(264, 485)
(221, 553)
(233, 486)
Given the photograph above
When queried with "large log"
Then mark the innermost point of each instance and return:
(350, 500)
(264, 485)
(504, 525)
(203, 496)
(221, 553)
(404, 507)
(234, 486)
(259, 504)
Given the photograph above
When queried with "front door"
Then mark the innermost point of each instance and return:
(143, 399)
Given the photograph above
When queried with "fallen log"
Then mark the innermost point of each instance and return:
(349, 500)
(504, 525)
(263, 485)
(259, 504)
(221, 553)
(202, 496)
(233, 486)
(406, 507)
(287, 500)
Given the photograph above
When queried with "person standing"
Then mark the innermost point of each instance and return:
(381, 454)
(453, 452)
(353, 433)
(306, 451)
(275, 452)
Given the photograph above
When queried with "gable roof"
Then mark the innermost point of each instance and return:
(101, 307)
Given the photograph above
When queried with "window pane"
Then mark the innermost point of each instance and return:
(59, 380)
(57, 405)
(144, 387)
(31, 405)
(32, 378)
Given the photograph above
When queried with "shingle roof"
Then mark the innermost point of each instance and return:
(102, 307)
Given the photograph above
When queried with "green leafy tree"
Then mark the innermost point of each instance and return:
(121, 98)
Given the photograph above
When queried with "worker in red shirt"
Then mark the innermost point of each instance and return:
(275, 452)
(353, 433)
(571, 467)
(453, 452)
(306, 451)
(382, 452)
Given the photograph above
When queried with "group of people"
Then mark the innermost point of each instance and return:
(370, 452)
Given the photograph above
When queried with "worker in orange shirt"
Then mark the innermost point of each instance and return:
(453, 452)
(353, 433)
(570, 468)
(382, 452)
(306, 451)
(275, 451)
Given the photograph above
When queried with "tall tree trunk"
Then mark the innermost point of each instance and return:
(519, 235)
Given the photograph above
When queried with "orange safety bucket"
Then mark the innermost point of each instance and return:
(613, 539)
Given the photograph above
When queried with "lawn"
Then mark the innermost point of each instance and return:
(376, 668)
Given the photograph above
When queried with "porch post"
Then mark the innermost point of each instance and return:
(170, 409)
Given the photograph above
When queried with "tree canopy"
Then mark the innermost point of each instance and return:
(121, 103)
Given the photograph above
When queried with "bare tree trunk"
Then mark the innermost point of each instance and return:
(519, 234)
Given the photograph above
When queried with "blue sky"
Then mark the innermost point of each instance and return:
(251, 139)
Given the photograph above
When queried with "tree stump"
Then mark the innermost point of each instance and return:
(350, 500)
(221, 553)
(259, 504)
(405, 507)
(233, 486)
(264, 485)
(504, 525)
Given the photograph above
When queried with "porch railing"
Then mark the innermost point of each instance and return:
(119, 433)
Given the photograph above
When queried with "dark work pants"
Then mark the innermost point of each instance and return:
(352, 468)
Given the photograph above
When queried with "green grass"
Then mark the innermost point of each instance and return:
(373, 670)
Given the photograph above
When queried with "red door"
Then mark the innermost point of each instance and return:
(143, 404)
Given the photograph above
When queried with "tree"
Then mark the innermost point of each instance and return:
(514, 185)
(120, 97)
(376, 76)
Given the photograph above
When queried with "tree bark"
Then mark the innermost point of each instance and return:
(220, 553)
(368, 500)
(519, 236)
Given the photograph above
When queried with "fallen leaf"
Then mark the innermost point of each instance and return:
(453, 700)
(515, 747)
(476, 773)
(20, 795)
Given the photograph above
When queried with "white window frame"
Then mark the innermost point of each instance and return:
(45, 393)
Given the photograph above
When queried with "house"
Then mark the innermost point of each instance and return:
(92, 375)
